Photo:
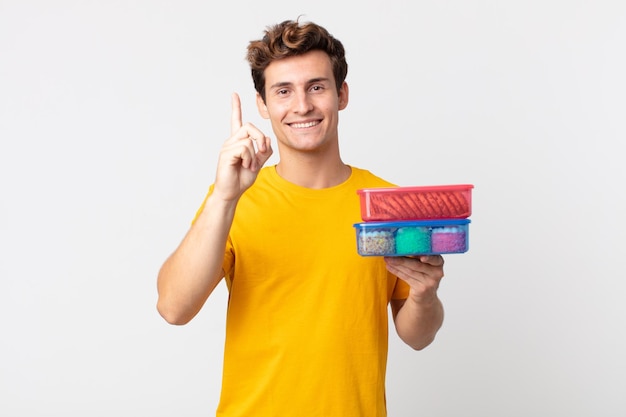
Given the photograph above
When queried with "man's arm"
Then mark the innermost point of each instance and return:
(418, 318)
(192, 272)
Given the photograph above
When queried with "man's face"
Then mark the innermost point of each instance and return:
(302, 101)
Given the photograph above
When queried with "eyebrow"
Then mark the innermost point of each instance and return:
(311, 81)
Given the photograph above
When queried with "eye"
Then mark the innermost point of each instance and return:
(317, 87)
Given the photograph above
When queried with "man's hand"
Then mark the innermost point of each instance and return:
(419, 317)
(241, 157)
(423, 274)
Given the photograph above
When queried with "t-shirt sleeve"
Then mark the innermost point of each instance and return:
(202, 205)
(400, 290)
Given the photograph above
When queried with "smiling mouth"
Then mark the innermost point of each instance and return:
(304, 125)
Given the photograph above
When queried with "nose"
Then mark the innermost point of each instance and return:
(302, 103)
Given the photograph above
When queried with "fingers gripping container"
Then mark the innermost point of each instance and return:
(416, 203)
(415, 237)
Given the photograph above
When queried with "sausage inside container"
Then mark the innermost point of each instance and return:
(416, 203)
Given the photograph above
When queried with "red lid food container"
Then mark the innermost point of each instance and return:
(416, 203)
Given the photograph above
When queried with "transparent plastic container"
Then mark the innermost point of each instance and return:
(416, 203)
(409, 238)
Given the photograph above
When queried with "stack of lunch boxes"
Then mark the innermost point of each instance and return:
(411, 221)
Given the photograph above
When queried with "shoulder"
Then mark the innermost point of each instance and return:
(365, 178)
(266, 177)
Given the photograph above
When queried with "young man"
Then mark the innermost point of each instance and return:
(306, 331)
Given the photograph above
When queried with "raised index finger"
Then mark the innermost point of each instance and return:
(235, 118)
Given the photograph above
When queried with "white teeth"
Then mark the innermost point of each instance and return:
(303, 125)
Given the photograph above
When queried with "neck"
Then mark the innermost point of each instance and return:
(311, 171)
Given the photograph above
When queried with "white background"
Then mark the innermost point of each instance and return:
(111, 117)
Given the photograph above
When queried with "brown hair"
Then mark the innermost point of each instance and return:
(291, 38)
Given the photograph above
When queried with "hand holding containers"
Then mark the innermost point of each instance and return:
(407, 221)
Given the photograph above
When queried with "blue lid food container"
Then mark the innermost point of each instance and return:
(409, 238)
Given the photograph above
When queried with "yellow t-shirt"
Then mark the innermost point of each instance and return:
(307, 323)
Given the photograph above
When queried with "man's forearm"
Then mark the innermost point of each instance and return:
(192, 272)
(417, 323)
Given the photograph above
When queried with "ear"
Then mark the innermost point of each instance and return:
(343, 96)
(261, 107)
